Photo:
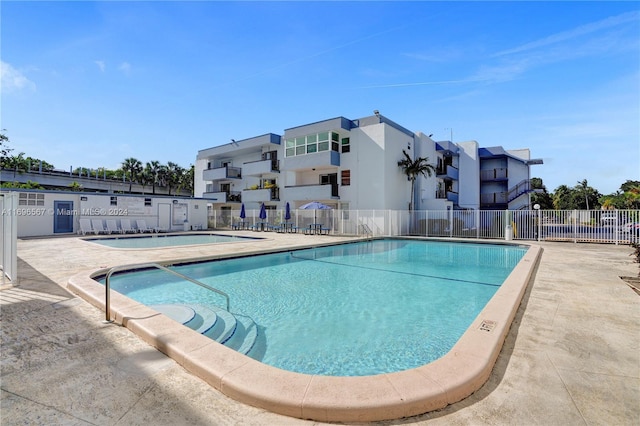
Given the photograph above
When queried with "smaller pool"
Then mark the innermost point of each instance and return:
(160, 240)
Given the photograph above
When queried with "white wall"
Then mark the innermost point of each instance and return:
(38, 220)
(469, 175)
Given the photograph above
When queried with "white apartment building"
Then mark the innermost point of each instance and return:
(353, 165)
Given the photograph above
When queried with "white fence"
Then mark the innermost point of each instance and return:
(613, 226)
(9, 237)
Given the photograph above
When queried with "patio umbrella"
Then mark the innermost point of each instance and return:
(263, 212)
(314, 205)
(243, 214)
(287, 212)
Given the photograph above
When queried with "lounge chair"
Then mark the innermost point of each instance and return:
(85, 226)
(97, 226)
(142, 226)
(113, 228)
(125, 226)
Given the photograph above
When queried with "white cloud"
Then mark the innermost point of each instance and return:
(610, 22)
(12, 80)
(101, 65)
(125, 67)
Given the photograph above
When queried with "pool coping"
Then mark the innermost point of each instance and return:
(455, 376)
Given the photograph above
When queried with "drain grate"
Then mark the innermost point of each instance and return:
(487, 325)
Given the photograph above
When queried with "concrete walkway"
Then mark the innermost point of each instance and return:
(572, 356)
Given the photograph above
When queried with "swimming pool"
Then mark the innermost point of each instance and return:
(348, 310)
(164, 240)
(449, 379)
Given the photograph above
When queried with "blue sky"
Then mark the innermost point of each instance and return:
(92, 83)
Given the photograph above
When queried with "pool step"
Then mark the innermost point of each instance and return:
(237, 332)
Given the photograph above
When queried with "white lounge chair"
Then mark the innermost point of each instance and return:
(98, 228)
(142, 226)
(113, 228)
(125, 226)
(85, 226)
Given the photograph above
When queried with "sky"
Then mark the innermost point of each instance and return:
(92, 83)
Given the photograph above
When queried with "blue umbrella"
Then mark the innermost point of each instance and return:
(287, 212)
(242, 212)
(263, 212)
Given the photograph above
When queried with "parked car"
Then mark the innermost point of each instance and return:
(631, 227)
(609, 218)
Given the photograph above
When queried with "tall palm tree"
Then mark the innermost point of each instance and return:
(131, 168)
(174, 174)
(584, 187)
(413, 169)
(152, 168)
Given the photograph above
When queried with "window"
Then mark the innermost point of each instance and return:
(345, 177)
(147, 202)
(346, 146)
(114, 201)
(310, 144)
(28, 199)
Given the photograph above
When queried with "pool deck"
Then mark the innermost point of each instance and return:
(572, 355)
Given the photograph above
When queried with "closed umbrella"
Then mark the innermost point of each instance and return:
(243, 214)
(263, 212)
(287, 212)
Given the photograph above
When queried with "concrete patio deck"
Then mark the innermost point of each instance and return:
(572, 355)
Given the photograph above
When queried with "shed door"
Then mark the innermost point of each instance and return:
(62, 217)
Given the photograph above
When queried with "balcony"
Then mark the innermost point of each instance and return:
(260, 195)
(498, 174)
(447, 172)
(260, 167)
(448, 148)
(317, 160)
(223, 197)
(221, 173)
(448, 195)
(494, 199)
(311, 192)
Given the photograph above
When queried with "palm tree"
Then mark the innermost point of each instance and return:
(413, 169)
(131, 168)
(152, 168)
(584, 187)
(174, 174)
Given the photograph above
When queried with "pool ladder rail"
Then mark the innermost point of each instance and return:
(239, 332)
(151, 265)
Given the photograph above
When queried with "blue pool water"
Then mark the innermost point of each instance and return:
(348, 310)
(160, 240)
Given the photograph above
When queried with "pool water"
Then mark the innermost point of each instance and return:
(348, 310)
(159, 240)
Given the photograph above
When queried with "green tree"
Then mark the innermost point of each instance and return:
(151, 169)
(75, 186)
(4, 146)
(173, 175)
(413, 169)
(561, 198)
(540, 195)
(17, 163)
(132, 169)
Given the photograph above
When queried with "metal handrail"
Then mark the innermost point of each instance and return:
(151, 265)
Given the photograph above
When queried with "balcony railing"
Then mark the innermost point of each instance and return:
(494, 174)
(260, 167)
(311, 192)
(222, 197)
(261, 195)
(448, 172)
(219, 173)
